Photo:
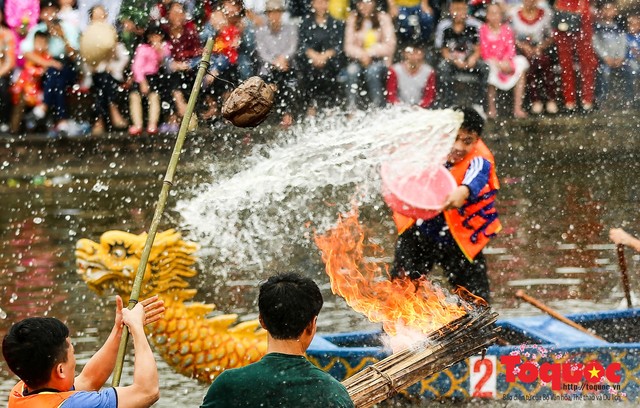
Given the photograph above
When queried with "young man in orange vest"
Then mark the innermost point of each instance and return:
(39, 351)
(454, 239)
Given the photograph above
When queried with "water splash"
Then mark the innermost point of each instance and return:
(248, 219)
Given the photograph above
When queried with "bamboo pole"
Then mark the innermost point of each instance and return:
(535, 302)
(162, 199)
(622, 263)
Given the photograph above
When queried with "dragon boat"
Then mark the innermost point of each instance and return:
(578, 366)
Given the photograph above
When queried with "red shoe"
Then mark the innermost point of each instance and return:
(135, 130)
(152, 131)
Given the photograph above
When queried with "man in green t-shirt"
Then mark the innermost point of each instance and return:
(289, 305)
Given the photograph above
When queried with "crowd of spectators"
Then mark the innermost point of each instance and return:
(557, 57)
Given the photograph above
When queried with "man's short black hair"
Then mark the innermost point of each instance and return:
(33, 347)
(473, 121)
(288, 302)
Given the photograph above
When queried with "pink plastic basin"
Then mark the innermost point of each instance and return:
(417, 196)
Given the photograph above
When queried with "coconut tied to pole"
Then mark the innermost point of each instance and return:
(249, 103)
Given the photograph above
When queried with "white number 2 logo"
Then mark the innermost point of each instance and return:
(482, 376)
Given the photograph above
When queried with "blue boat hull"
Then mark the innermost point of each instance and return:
(536, 340)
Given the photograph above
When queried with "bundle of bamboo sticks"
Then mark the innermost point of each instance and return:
(444, 347)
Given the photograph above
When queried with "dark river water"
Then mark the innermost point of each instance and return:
(565, 182)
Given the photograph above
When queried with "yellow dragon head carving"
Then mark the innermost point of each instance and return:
(114, 260)
(188, 338)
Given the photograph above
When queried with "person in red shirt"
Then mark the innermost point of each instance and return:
(573, 33)
(412, 81)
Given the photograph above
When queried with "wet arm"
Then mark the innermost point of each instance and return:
(621, 237)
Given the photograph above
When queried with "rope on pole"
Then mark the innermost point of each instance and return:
(622, 263)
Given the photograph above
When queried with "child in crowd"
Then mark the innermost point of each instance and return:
(227, 37)
(458, 40)
(69, 13)
(531, 25)
(412, 81)
(506, 69)
(147, 69)
(610, 45)
(107, 78)
(27, 90)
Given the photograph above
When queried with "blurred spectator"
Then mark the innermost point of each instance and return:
(534, 39)
(255, 11)
(130, 34)
(27, 90)
(61, 69)
(148, 71)
(107, 81)
(138, 12)
(414, 19)
(339, 9)
(112, 8)
(370, 43)
(160, 10)
(7, 64)
(276, 45)
(460, 51)
(506, 69)
(610, 45)
(320, 56)
(633, 53)
(202, 11)
(448, 22)
(69, 13)
(232, 12)
(412, 81)
(231, 58)
(573, 33)
(186, 49)
(21, 15)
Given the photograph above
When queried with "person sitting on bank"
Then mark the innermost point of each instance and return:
(455, 238)
(289, 305)
(412, 81)
(39, 351)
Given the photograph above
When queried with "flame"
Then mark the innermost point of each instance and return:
(401, 305)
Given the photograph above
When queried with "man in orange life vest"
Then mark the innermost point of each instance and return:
(454, 239)
(38, 350)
